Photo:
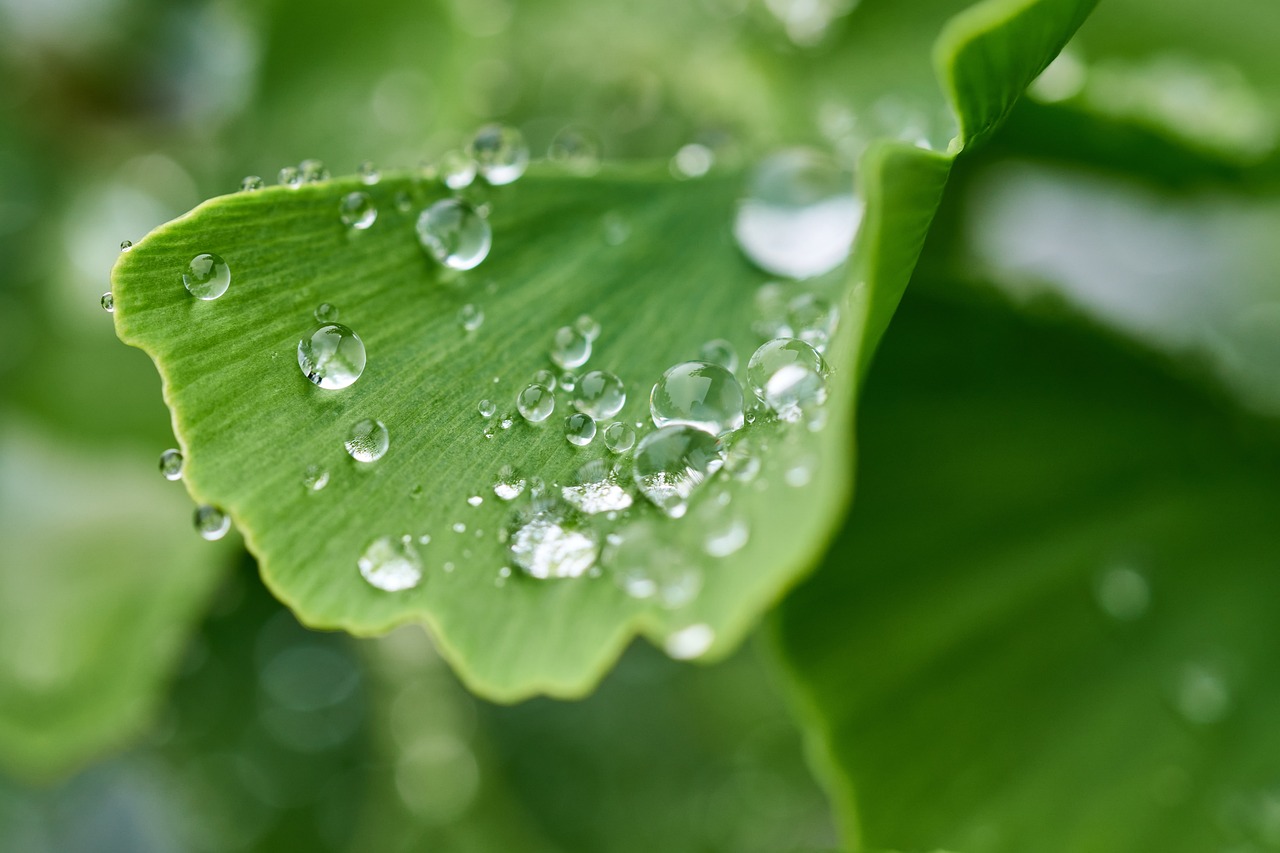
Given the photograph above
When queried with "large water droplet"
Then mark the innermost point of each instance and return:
(368, 173)
(454, 233)
(332, 357)
(126, 245)
(315, 478)
(700, 394)
(509, 484)
(457, 170)
(570, 348)
(553, 543)
(368, 441)
(357, 211)
(108, 302)
(391, 564)
(619, 437)
(171, 464)
(672, 462)
(599, 394)
(596, 490)
(313, 171)
(500, 153)
(211, 523)
(535, 403)
(290, 177)
(207, 276)
(648, 567)
(789, 376)
(800, 214)
(579, 429)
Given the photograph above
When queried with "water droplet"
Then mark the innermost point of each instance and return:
(596, 490)
(587, 327)
(486, 408)
(404, 201)
(721, 352)
(457, 170)
(368, 173)
(789, 376)
(506, 422)
(568, 380)
(700, 394)
(326, 313)
(545, 378)
(800, 215)
(250, 183)
(619, 437)
(470, 317)
(1122, 593)
(368, 441)
(599, 394)
(691, 642)
(509, 484)
(391, 564)
(171, 464)
(312, 171)
(553, 543)
(672, 462)
(692, 161)
(357, 211)
(108, 302)
(726, 535)
(570, 348)
(648, 567)
(315, 478)
(207, 276)
(500, 153)
(579, 429)
(454, 233)
(126, 245)
(616, 228)
(475, 500)
(800, 472)
(577, 149)
(1201, 695)
(211, 523)
(812, 319)
(289, 177)
(333, 357)
(459, 527)
(536, 403)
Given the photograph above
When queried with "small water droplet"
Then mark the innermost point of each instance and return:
(1201, 695)
(596, 490)
(509, 484)
(587, 326)
(692, 161)
(457, 170)
(108, 302)
(126, 245)
(357, 211)
(788, 376)
(691, 642)
(470, 317)
(171, 464)
(799, 216)
(368, 440)
(486, 408)
(459, 527)
(619, 438)
(579, 429)
(207, 276)
(726, 535)
(570, 348)
(700, 394)
(315, 478)
(326, 313)
(250, 183)
(368, 173)
(500, 153)
(800, 472)
(1122, 593)
(333, 357)
(553, 543)
(577, 150)
(672, 462)
(455, 234)
(813, 320)
(289, 177)
(535, 403)
(404, 201)
(545, 378)
(211, 523)
(568, 380)
(599, 394)
(721, 352)
(648, 567)
(391, 564)
(312, 171)
(506, 422)
(475, 500)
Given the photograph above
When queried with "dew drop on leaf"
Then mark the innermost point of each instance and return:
(570, 348)
(500, 153)
(126, 245)
(535, 403)
(171, 464)
(108, 302)
(486, 408)
(211, 523)
(509, 485)
(315, 478)
(647, 567)
(368, 173)
(250, 183)
(599, 394)
(545, 378)
(690, 642)
(391, 564)
(368, 440)
(333, 357)
(619, 437)
(357, 211)
(576, 149)
(672, 462)
(470, 317)
(551, 543)
(579, 429)
(289, 177)
(721, 352)
(455, 234)
(457, 170)
(699, 394)
(207, 276)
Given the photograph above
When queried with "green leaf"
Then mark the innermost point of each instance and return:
(101, 577)
(1049, 624)
(250, 424)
